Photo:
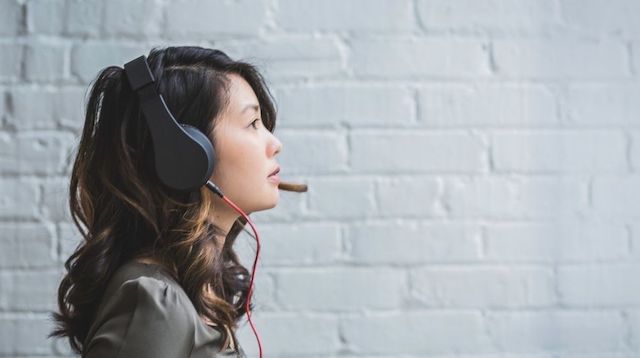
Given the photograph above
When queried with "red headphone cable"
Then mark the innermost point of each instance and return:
(214, 188)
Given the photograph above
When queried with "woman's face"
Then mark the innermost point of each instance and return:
(245, 151)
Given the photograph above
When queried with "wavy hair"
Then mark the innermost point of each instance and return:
(122, 209)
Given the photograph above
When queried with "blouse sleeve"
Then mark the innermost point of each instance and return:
(143, 318)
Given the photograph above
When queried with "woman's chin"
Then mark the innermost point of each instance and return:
(269, 203)
(274, 202)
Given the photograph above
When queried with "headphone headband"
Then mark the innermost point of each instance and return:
(139, 73)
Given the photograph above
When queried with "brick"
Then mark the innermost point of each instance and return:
(33, 291)
(55, 199)
(321, 244)
(26, 245)
(603, 105)
(409, 197)
(354, 106)
(4, 100)
(282, 59)
(69, 238)
(336, 15)
(25, 335)
(487, 106)
(605, 285)
(141, 18)
(558, 242)
(45, 62)
(507, 198)
(591, 17)
(242, 18)
(560, 59)
(420, 152)
(356, 198)
(264, 292)
(359, 287)
(61, 106)
(46, 16)
(84, 17)
(635, 151)
(489, 15)
(484, 287)
(12, 14)
(559, 152)
(19, 197)
(556, 331)
(429, 243)
(635, 56)
(634, 323)
(292, 335)
(616, 196)
(634, 242)
(10, 68)
(406, 58)
(405, 332)
(35, 152)
(89, 58)
(313, 152)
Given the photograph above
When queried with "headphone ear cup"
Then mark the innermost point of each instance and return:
(203, 141)
(184, 158)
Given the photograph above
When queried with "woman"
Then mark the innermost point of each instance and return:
(156, 274)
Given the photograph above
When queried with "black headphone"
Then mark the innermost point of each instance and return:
(184, 156)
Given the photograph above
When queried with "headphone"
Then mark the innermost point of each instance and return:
(184, 157)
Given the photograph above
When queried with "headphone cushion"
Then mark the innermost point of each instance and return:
(203, 141)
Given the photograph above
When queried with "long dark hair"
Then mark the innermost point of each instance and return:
(123, 211)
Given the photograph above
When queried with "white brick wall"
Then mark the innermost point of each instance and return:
(473, 165)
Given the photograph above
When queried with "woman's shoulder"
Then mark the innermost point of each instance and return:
(143, 303)
(138, 283)
(142, 306)
(135, 284)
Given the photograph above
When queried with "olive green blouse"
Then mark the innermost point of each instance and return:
(146, 313)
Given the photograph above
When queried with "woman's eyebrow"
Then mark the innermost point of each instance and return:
(254, 106)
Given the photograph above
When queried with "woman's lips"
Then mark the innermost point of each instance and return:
(275, 178)
(276, 171)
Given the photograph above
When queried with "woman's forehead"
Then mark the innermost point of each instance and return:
(242, 99)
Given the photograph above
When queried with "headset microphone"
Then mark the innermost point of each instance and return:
(184, 156)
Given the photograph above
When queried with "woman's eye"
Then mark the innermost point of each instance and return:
(253, 124)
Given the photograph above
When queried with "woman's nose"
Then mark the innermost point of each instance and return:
(276, 146)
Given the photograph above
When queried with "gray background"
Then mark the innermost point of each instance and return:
(472, 164)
